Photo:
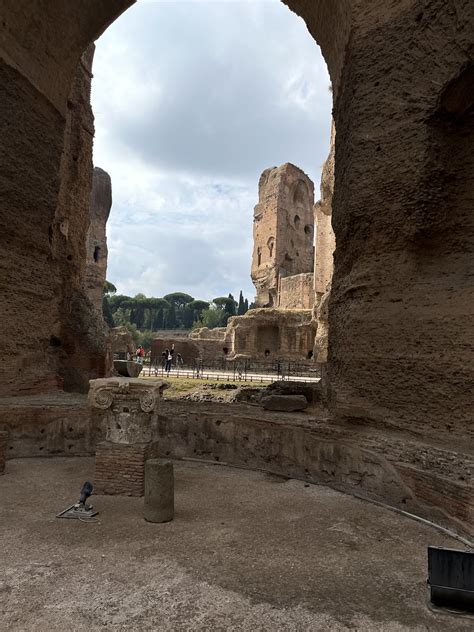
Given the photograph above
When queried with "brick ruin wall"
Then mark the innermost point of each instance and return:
(296, 292)
(282, 230)
(272, 334)
(120, 469)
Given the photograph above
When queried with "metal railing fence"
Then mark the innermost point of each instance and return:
(245, 370)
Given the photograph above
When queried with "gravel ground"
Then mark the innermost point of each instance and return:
(246, 551)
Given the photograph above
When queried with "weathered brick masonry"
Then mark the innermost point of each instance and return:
(120, 469)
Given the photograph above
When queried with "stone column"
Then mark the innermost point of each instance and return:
(159, 491)
(131, 414)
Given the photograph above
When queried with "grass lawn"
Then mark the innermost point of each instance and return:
(179, 385)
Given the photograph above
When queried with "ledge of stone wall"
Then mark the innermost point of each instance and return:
(50, 425)
(432, 481)
(357, 460)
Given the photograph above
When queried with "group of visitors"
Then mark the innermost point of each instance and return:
(167, 357)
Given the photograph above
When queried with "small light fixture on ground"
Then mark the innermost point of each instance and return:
(80, 510)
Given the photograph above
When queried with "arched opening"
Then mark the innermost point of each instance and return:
(402, 266)
(301, 194)
(96, 254)
(271, 245)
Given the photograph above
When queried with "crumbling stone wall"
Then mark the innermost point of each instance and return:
(324, 256)
(325, 238)
(80, 344)
(296, 292)
(96, 244)
(272, 334)
(283, 230)
(55, 340)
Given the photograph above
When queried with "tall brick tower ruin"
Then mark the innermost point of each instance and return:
(283, 232)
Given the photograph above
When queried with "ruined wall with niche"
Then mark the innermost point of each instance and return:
(283, 230)
(96, 243)
(271, 334)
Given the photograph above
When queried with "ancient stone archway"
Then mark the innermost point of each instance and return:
(373, 212)
(400, 328)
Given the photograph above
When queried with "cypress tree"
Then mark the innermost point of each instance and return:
(241, 308)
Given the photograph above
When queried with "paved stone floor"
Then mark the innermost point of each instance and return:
(246, 551)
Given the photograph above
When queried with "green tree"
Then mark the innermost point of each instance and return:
(227, 305)
(158, 322)
(118, 300)
(170, 317)
(155, 307)
(145, 339)
(178, 298)
(231, 308)
(109, 288)
(107, 312)
(188, 316)
(198, 306)
(212, 317)
(246, 306)
(241, 307)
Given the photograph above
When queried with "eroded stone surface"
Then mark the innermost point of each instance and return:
(285, 403)
(131, 421)
(96, 245)
(131, 407)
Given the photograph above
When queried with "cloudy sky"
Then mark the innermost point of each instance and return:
(192, 101)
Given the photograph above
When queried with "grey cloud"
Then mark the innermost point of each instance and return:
(201, 97)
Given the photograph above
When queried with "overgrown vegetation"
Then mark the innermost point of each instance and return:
(144, 315)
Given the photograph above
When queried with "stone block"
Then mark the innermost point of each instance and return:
(312, 392)
(127, 368)
(286, 403)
